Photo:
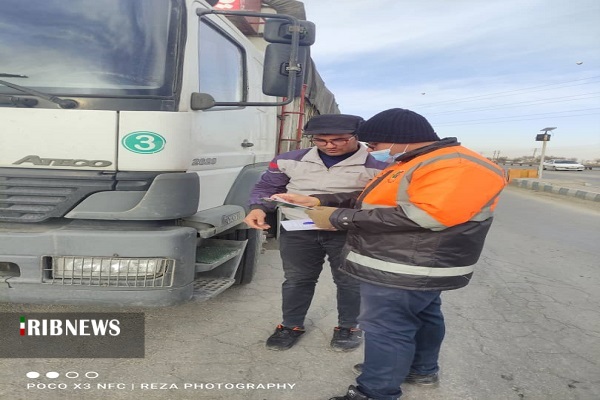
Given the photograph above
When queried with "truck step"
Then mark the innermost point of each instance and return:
(212, 253)
(207, 288)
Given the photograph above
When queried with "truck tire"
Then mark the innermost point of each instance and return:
(247, 267)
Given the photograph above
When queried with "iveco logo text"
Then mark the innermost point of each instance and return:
(77, 327)
(228, 219)
(62, 162)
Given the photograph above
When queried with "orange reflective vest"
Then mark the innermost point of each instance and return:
(440, 189)
(421, 223)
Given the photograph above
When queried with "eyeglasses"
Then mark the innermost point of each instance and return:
(335, 142)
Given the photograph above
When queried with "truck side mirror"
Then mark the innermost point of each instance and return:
(276, 70)
(279, 31)
(201, 101)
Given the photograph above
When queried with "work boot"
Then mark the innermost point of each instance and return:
(284, 338)
(422, 380)
(412, 378)
(352, 394)
(346, 339)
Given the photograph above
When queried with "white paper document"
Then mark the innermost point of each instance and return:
(299, 225)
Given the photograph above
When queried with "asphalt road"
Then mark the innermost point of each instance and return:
(527, 327)
(591, 177)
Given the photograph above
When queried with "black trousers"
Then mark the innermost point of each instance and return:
(303, 255)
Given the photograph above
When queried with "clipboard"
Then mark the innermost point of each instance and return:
(283, 203)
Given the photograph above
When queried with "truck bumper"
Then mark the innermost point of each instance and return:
(28, 253)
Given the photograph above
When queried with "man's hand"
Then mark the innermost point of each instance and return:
(307, 201)
(320, 216)
(256, 219)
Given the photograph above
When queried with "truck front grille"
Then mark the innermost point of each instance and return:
(37, 195)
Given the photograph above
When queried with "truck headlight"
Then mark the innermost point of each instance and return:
(108, 267)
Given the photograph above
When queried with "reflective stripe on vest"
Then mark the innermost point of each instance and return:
(405, 269)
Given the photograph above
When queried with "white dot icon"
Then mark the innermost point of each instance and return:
(32, 374)
(52, 375)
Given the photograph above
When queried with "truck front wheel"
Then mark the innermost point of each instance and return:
(249, 260)
(247, 268)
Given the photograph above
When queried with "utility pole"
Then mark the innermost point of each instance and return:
(544, 138)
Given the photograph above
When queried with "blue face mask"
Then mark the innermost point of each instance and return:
(381, 155)
(385, 156)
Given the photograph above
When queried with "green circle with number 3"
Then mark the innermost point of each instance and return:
(144, 142)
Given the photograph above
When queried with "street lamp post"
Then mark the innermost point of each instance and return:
(545, 138)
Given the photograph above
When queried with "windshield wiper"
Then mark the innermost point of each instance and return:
(17, 101)
(5, 75)
(62, 103)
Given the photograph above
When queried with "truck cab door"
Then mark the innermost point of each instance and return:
(222, 138)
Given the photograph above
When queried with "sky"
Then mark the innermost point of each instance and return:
(491, 73)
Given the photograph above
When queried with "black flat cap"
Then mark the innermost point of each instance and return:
(331, 124)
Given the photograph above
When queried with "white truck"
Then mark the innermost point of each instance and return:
(131, 132)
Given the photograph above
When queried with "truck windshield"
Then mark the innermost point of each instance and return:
(90, 47)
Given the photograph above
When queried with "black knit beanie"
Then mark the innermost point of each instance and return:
(397, 125)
